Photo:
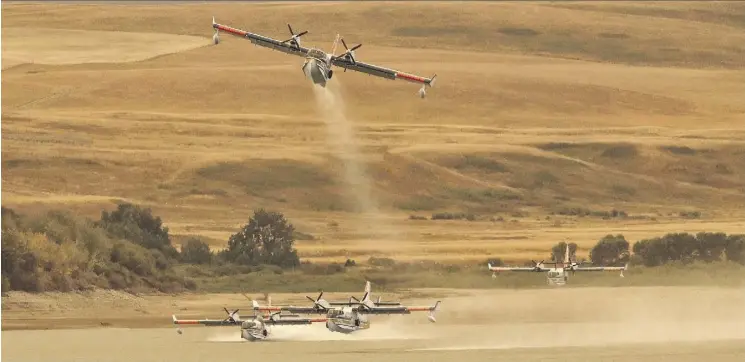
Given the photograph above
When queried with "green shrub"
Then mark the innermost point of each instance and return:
(195, 251)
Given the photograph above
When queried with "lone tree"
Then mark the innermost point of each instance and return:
(268, 238)
(610, 250)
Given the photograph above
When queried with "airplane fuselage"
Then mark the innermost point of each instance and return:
(346, 325)
(316, 67)
(252, 330)
(556, 276)
(346, 320)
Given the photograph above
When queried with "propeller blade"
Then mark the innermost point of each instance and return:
(311, 299)
(344, 43)
(289, 27)
(301, 34)
(319, 296)
(356, 47)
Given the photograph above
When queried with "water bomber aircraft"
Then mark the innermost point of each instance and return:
(558, 275)
(318, 64)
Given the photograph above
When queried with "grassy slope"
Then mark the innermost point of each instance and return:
(539, 107)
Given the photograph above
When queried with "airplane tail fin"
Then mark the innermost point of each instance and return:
(368, 289)
(432, 80)
(255, 304)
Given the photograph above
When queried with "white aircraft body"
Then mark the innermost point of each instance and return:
(558, 275)
(318, 64)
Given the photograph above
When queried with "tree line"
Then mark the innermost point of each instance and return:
(128, 248)
(672, 247)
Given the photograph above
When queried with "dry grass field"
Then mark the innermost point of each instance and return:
(538, 108)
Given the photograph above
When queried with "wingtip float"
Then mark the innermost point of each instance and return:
(318, 64)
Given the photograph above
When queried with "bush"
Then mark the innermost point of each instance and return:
(321, 269)
(382, 262)
(138, 225)
(267, 238)
(610, 250)
(196, 251)
(60, 252)
(453, 216)
(350, 263)
(687, 248)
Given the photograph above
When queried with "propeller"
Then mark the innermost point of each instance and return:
(231, 316)
(316, 302)
(294, 39)
(349, 54)
(537, 266)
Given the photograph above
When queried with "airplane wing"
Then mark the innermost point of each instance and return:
(362, 309)
(282, 321)
(290, 309)
(207, 322)
(600, 268)
(290, 46)
(392, 74)
(517, 268)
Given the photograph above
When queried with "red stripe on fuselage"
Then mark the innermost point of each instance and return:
(318, 320)
(231, 30)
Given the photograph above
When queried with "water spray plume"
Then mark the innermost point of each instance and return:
(345, 145)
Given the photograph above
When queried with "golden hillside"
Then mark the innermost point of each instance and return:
(539, 109)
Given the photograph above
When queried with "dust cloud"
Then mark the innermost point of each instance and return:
(574, 317)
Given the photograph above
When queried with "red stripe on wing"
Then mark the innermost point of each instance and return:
(187, 322)
(410, 77)
(418, 309)
(231, 30)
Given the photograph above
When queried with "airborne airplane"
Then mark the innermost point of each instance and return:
(318, 63)
(557, 275)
